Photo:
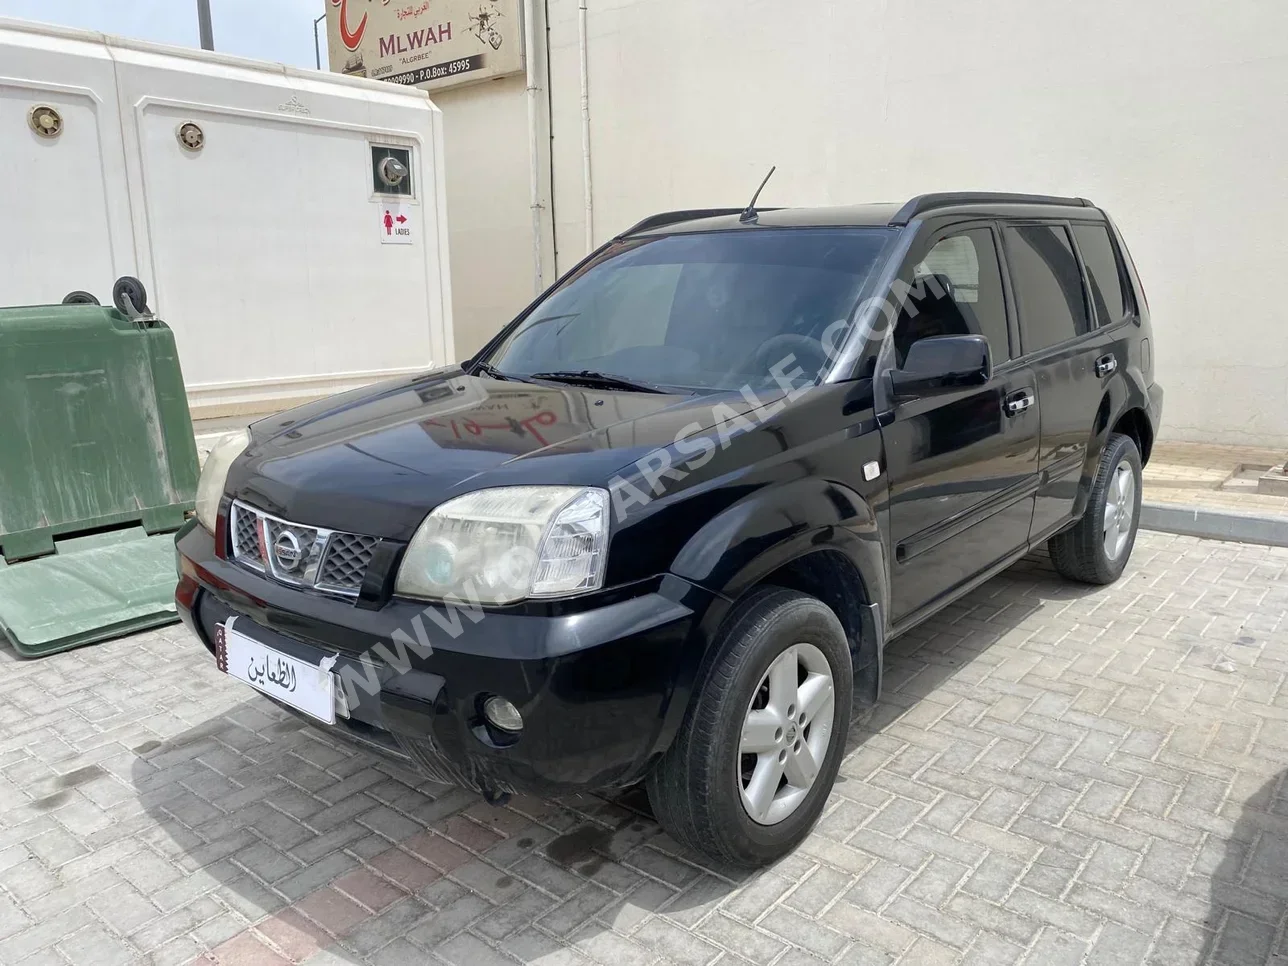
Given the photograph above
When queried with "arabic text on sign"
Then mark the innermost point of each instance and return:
(274, 671)
(404, 13)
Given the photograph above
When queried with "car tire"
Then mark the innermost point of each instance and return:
(706, 786)
(1097, 548)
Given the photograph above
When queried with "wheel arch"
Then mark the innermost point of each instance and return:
(1123, 409)
(812, 535)
(1135, 423)
(828, 575)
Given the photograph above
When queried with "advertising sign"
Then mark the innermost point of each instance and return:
(425, 43)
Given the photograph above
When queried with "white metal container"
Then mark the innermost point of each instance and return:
(246, 197)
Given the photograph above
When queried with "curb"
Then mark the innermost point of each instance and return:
(1232, 525)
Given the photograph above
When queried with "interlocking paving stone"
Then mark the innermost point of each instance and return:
(1056, 774)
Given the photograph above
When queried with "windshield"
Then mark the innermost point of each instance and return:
(706, 311)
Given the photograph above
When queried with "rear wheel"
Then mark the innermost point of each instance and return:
(1096, 550)
(750, 772)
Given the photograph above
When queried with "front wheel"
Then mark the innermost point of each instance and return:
(750, 771)
(1096, 549)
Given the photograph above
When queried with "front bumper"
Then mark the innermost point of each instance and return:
(596, 687)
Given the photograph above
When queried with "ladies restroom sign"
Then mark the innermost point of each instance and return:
(396, 225)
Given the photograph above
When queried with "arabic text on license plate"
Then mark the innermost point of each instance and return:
(297, 683)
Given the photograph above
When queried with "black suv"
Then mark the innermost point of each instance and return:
(662, 526)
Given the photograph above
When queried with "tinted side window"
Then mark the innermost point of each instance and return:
(1103, 272)
(956, 290)
(1048, 285)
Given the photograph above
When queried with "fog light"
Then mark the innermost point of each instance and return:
(503, 714)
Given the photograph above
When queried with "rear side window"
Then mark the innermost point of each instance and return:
(1103, 272)
(1048, 285)
(956, 290)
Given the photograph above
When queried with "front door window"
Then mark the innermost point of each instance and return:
(956, 290)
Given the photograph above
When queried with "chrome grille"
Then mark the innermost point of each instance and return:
(246, 538)
(345, 565)
(302, 556)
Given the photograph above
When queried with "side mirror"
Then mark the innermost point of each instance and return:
(943, 363)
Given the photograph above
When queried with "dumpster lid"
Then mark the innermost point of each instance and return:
(94, 588)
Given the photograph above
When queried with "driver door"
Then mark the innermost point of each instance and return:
(963, 462)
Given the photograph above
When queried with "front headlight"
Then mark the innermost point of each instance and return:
(508, 544)
(214, 475)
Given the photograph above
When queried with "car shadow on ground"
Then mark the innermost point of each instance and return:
(343, 851)
(1248, 892)
(305, 844)
(944, 647)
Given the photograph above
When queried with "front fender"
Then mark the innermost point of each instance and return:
(760, 533)
(755, 536)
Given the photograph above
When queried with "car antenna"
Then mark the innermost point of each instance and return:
(750, 214)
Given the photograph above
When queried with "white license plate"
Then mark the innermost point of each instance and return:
(297, 683)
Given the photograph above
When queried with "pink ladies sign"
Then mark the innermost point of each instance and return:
(426, 43)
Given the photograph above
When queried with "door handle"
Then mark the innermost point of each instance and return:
(1018, 401)
(1105, 365)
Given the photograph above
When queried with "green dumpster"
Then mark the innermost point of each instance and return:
(97, 465)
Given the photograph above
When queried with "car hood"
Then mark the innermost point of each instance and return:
(377, 460)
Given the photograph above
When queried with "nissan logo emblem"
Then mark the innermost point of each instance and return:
(286, 550)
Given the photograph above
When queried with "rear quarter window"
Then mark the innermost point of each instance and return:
(1104, 272)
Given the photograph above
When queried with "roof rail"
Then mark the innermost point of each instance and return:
(943, 199)
(665, 218)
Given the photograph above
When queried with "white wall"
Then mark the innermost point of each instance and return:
(1168, 113)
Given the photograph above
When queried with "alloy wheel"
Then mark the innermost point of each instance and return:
(786, 733)
(1120, 508)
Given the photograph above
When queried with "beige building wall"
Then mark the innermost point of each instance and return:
(1168, 113)
(488, 215)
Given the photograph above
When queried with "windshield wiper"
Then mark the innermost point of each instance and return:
(599, 380)
(492, 372)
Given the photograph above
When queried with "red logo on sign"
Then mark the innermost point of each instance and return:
(350, 38)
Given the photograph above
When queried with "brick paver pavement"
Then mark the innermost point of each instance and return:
(1056, 774)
